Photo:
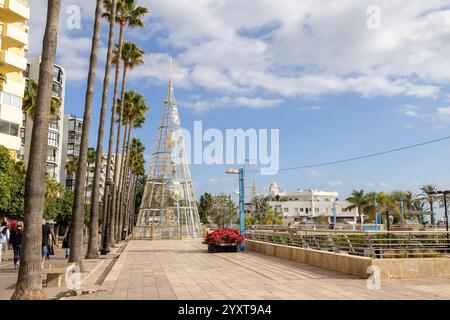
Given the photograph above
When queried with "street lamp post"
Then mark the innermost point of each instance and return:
(240, 172)
(105, 243)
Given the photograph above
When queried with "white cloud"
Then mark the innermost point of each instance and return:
(229, 102)
(285, 48)
(335, 183)
(315, 173)
(292, 48)
(384, 184)
(216, 181)
(433, 115)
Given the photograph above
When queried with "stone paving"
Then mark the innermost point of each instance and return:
(96, 271)
(175, 269)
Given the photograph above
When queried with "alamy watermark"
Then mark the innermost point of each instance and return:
(374, 17)
(232, 147)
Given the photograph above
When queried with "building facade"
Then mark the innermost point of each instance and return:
(56, 123)
(14, 15)
(306, 204)
(71, 142)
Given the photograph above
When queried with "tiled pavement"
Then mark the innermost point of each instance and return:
(185, 270)
(95, 272)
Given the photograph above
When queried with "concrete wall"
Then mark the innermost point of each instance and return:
(355, 265)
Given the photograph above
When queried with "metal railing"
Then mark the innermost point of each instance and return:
(376, 244)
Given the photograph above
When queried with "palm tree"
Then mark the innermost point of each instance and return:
(2, 80)
(92, 243)
(29, 281)
(135, 107)
(131, 57)
(128, 14)
(136, 163)
(72, 165)
(30, 98)
(381, 202)
(358, 200)
(76, 238)
(429, 195)
(52, 188)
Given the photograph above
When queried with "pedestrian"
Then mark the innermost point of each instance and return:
(51, 242)
(16, 240)
(66, 241)
(47, 237)
(4, 238)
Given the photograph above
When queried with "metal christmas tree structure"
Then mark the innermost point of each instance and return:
(168, 209)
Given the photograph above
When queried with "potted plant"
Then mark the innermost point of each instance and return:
(224, 239)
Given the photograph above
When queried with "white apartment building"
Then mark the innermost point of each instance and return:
(102, 177)
(71, 143)
(306, 204)
(14, 15)
(56, 124)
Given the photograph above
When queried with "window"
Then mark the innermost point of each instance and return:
(316, 209)
(26, 73)
(11, 100)
(53, 125)
(56, 90)
(6, 98)
(16, 102)
(52, 139)
(301, 209)
(4, 127)
(286, 209)
(57, 74)
(11, 129)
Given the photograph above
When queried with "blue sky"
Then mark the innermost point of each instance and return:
(333, 87)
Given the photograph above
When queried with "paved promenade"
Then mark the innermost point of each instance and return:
(185, 270)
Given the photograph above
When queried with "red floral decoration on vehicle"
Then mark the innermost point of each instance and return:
(224, 236)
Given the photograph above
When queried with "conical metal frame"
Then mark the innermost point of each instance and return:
(168, 209)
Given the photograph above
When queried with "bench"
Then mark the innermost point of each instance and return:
(56, 276)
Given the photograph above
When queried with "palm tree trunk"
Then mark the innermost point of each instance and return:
(87, 182)
(76, 237)
(112, 233)
(124, 169)
(121, 176)
(130, 201)
(29, 281)
(126, 202)
(101, 130)
(118, 168)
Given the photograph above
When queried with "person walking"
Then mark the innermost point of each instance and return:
(16, 240)
(4, 238)
(47, 237)
(66, 241)
(51, 242)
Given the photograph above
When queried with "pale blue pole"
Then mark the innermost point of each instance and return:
(241, 204)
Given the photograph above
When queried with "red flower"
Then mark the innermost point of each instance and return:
(224, 236)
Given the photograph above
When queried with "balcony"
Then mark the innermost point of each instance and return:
(14, 10)
(51, 159)
(14, 36)
(12, 62)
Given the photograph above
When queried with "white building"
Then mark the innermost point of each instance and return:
(306, 204)
(73, 128)
(55, 127)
